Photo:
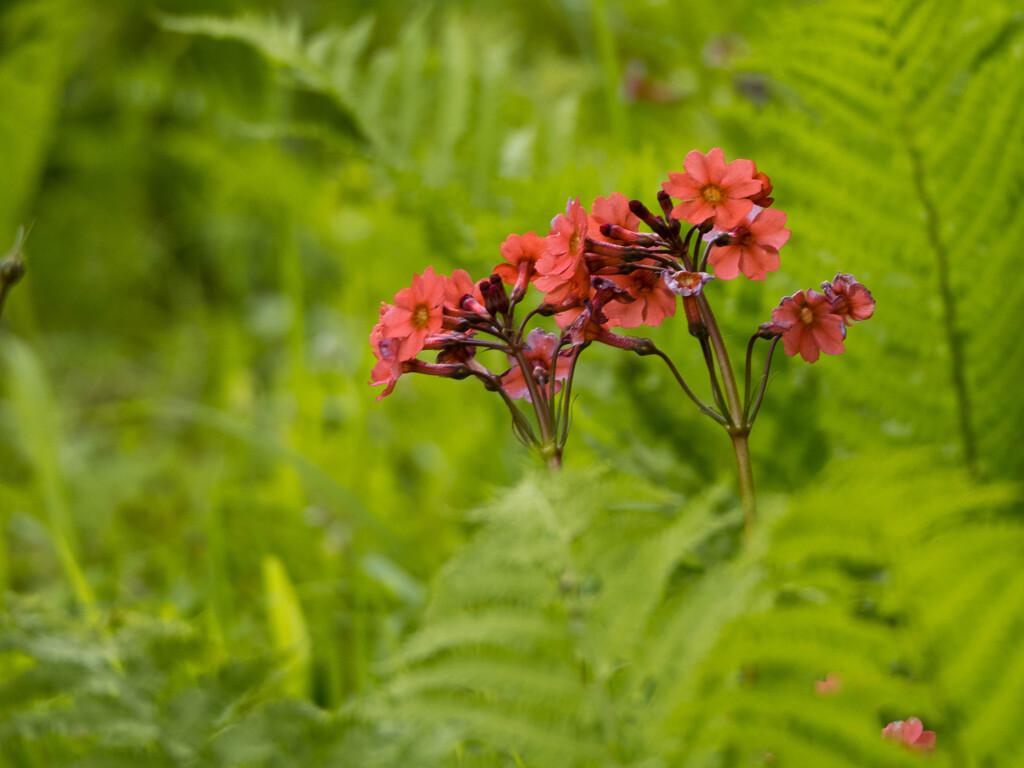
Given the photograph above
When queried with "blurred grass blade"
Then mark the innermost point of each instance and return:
(37, 430)
(287, 627)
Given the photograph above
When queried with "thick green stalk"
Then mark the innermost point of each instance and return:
(737, 427)
(746, 475)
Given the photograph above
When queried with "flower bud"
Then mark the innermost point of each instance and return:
(469, 304)
(495, 297)
(665, 201)
(615, 232)
(769, 330)
(11, 271)
(648, 218)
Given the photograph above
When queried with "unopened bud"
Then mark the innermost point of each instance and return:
(769, 330)
(654, 222)
(470, 304)
(495, 297)
(665, 201)
(615, 232)
(694, 319)
(12, 269)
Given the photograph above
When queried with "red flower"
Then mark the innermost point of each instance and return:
(417, 313)
(459, 285)
(711, 188)
(539, 349)
(615, 210)
(850, 300)
(809, 325)
(388, 367)
(654, 301)
(910, 732)
(521, 253)
(562, 268)
(753, 247)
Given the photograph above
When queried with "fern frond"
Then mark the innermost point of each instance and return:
(913, 108)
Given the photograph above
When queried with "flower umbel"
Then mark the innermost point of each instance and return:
(599, 271)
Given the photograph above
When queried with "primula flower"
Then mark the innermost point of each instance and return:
(388, 367)
(710, 188)
(910, 732)
(809, 325)
(417, 313)
(458, 285)
(614, 210)
(521, 253)
(753, 246)
(689, 285)
(539, 349)
(654, 301)
(562, 268)
(850, 300)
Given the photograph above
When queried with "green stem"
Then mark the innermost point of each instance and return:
(737, 428)
(732, 394)
(746, 475)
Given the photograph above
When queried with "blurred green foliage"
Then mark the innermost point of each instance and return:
(217, 547)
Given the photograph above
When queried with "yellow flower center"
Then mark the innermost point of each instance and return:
(420, 315)
(806, 315)
(712, 193)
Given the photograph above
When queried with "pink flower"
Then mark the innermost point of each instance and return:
(830, 686)
(418, 312)
(539, 350)
(521, 253)
(562, 268)
(689, 285)
(615, 210)
(753, 247)
(711, 188)
(654, 301)
(458, 285)
(850, 300)
(388, 367)
(809, 325)
(910, 732)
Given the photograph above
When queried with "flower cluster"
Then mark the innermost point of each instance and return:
(618, 266)
(810, 322)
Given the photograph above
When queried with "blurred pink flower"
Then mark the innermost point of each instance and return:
(830, 686)
(910, 732)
